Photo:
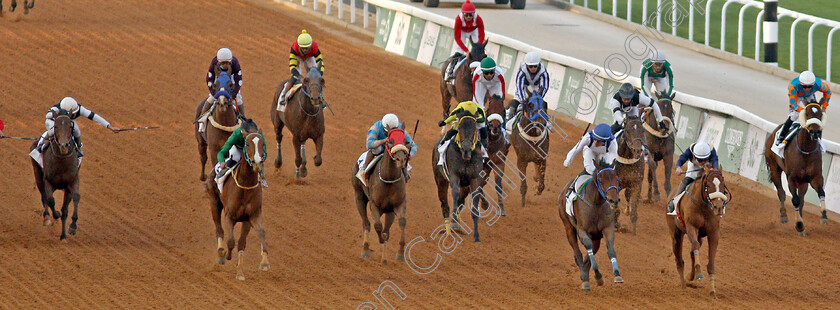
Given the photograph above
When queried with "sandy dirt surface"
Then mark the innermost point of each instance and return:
(146, 238)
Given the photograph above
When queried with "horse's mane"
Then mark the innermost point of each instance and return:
(314, 73)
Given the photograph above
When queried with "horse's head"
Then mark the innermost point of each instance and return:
(634, 134)
(495, 123)
(535, 108)
(715, 192)
(222, 87)
(606, 180)
(397, 148)
(666, 105)
(255, 154)
(63, 133)
(313, 87)
(477, 50)
(467, 136)
(813, 120)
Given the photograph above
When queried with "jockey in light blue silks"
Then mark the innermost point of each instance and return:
(377, 136)
(598, 144)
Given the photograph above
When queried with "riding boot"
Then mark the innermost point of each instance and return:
(672, 210)
(444, 143)
(784, 131)
(240, 108)
(685, 182)
(407, 175)
(362, 175)
(79, 146)
(281, 102)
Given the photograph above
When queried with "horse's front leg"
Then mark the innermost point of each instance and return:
(541, 176)
(609, 234)
(401, 210)
(278, 136)
(692, 234)
(386, 235)
(797, 192)
(713, 237)
(522, 165)
(668, 166)
(257, 223)
(476, 193)
(589, 262)
(240, 249)
(500, 193)
(300, 165)
(319, 145)
(653, 185)
(76, 197)
(634, 205)
(68, 196)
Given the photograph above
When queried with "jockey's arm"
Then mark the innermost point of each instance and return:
(320, 61)
(521, 86)
(793, 96)
(648, 102)
(458, 35)
(645, 72)
(211, 75)
(501, 76)
(413, 146)
(480, 23)
(618, 115)
(294, 61)
(612, 152)
(544, 83)
(713, 158)
(94, 117)
(231, 141)
(373, 140)
(684, 157)
(577, 148)
(237, 77)
(826, 94)
(589, 162)
(670, 75)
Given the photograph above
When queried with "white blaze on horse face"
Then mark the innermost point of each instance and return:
(717, 194)
(257, 156)
(814, 109)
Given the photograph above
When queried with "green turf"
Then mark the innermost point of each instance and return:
(829, 9)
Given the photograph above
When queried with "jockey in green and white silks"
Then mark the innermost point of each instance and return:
(656, 71)
(626, 101)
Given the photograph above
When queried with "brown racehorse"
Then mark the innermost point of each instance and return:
(530, 140)
(593, 220)
(60, 172)
(498, 148)
(699, 216)
(220, 124)
(460, 174)
(802, 165)
(463, 88)
(630, 166)
(660, 144)
(386, 194)
(241, 201)
(27, 5)
(304, 117)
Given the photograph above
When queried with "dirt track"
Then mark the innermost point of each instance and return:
(146, 239)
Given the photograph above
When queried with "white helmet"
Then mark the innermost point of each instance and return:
(532, 59)
(390, 121)
(224, 54)
(807, 78)
(658, 56)
(701, 150)
(69, 104)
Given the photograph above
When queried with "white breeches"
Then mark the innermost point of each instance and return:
(661, 84)
(481, 89)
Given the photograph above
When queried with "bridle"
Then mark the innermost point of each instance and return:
(306, 89)
(249, 161)
(706, 197)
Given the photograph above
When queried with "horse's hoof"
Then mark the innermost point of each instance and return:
(303, 172)
(699, 277)
(783, 219)
(802, 234)
(317, 161)
(824, 221)
(384, 262)
(265, 267)
(800, 227)
(400, 258)
(221, 261)
(477, 240)
(240, 277)
(586, 287)
(618, 280)
(56, 214)
(63, 238)
(657, 198)
(365, 254)
(600, 281)
(47, 222)
(71, 231)
(504, 213)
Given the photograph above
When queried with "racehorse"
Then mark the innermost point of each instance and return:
(460, 174)
(386, 194)
(660, 145)
(241, 201)
(498, 147)
(27, 5)
(699, 216)
(304, 117)
(630, 166)
(222, 121)
(463, 88)
(530, 140)
(802, 165)
(592, 220)
(60, 172)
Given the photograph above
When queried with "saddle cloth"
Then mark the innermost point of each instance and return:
(677, 200)
(220, 181)
(779, 148)
(291, 92)
(38, 157)
(371, 164)
(578, 186)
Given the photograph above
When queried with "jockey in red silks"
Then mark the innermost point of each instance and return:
(468, 26)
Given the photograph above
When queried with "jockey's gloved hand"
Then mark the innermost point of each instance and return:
(441, 123)
(662, 124)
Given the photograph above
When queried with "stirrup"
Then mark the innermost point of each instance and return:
(361, 176)
(673, 208)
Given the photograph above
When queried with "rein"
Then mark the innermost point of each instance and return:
(219, 126)
(601, 191)
(707, 200)
(816, 147)
(318, 110)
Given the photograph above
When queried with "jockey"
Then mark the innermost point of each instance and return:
(225, 62)
(2, 126)
(468, 26)
(466, 108)
(488, 79)
(626, 101)
(656, 71)
(222, 91)
(304, 51)
(233, 149)
(377, 136)
(74, 110)
(597, 144)
(697, 155)
(531, 73)
(801, 91)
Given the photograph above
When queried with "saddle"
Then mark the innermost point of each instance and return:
(292, 91)
(779, 149)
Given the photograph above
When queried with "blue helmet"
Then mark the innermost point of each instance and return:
(602, 133)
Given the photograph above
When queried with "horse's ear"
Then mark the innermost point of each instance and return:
(306, 81)
(471, 41)
(321, 81)
(674, 94)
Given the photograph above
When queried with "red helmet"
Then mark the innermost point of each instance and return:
(468, 7)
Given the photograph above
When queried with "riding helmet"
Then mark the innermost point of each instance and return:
(304, 39)
(807, 78)
(224, 54)
(390, 121)
(658, 57)
(487, 64)
(69, 104)
(626, 91)
(602, 132)
(532, 59)
(701, 150)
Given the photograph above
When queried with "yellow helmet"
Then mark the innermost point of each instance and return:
(304, 39)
